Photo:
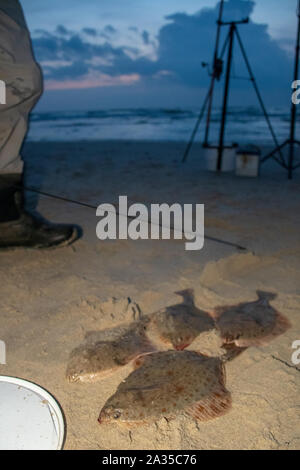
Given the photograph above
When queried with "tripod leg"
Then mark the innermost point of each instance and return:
(214, 72)
(191, 141)
(225, 99)
(294, 106)
(213, 81)
(272, 155)
(208, 119)
(259, 97)
(291, 160)
(207, 100)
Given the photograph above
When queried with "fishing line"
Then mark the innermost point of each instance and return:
(91, 206)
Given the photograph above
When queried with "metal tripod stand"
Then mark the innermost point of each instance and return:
(229, 41)
(291, 142)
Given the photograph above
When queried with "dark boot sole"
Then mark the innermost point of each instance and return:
(67, 242)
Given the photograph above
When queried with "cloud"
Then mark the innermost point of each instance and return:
(66, 55)
(187, 40)
(110, 29)
(146, 37)
(183, 43)
(94, 80)
(62, 30)
(90, 31)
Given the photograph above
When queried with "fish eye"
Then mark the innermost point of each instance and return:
(117, 414)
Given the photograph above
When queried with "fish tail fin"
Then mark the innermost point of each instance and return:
(232, 351)
(218, 404)
(282, 325)
(262, 295)
(188, 296)
(139, 360)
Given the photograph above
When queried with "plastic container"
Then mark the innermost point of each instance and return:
(228, 160)
(248, 161)
(30, 418)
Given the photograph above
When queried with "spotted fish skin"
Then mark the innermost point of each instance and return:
(251, 323)
(92, 362)
(179, 325)
(168, 384)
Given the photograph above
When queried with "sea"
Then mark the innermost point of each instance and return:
(244, 125)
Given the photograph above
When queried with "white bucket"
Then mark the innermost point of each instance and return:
(228, 160)
(30, 418)
(248, 161)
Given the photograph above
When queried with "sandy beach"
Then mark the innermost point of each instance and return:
(50, 299)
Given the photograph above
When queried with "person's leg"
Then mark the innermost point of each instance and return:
(23, 81)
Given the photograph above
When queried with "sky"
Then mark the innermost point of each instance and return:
(139, 53)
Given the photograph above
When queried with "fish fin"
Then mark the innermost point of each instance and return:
(146, 388)
(219, 311)
(281, 326)
(232, 351)
(181, 346)
(144, 347)
(139, 360)
(211, 407)
(266, 295)
(165, 341)
(188, 296)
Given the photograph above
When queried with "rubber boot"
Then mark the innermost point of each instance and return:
(19, 228)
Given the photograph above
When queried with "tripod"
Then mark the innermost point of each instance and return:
(291, 142)
(229, 42)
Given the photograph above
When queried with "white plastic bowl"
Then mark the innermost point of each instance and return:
(30, 418)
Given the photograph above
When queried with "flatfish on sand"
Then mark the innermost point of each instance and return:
(168, 384)
(251, 323)
(179, 325)
(93, 361)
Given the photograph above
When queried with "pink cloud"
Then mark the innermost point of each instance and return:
(92, 81)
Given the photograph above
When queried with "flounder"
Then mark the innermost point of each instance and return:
(168, 384)
(251, 323)
(179, 325)
(93, 361)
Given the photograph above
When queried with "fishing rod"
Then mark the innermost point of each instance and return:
(91, 206)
